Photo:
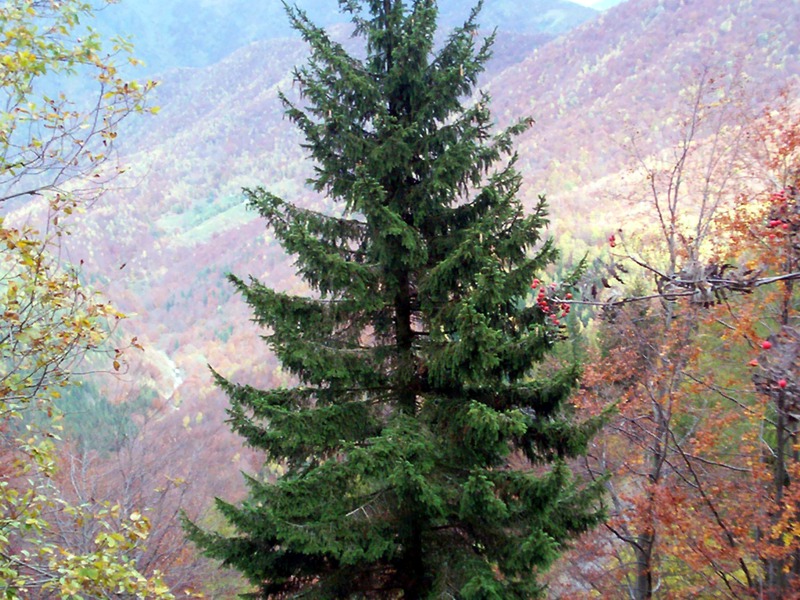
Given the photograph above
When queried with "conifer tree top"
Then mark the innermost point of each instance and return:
(415, 351)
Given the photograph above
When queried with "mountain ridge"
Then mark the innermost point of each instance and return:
(222, 128)
(185, 33)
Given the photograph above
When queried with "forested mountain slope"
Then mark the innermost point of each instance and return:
(627, 70)
(177, 220)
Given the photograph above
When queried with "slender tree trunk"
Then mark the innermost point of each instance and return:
(777, 580)
(644, 548)
(643, 588)
(645, 541)
(776, 577)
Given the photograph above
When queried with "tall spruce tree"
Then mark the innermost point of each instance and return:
(416, 354)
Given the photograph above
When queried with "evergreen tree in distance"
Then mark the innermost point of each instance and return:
(416, 354)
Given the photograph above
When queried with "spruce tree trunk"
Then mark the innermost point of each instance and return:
(404, 338)
(416, 587)
(415, 583)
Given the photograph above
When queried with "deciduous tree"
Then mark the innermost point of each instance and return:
(703, 451)
(51, 150)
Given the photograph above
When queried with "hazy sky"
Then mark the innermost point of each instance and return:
(593, 2)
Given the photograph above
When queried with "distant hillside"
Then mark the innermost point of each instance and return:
(606, 4)
(197, 33)
(162, 242)
(626, 71)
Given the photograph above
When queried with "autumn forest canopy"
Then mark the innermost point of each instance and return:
(399, 299)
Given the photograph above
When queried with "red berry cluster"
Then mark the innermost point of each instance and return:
(554, 308)
(783, 217)
(767, 345)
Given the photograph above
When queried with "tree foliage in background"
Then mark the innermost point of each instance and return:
(57, 129)
(703, 363)
(52, 147)
(652, 349)
(418, 360)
